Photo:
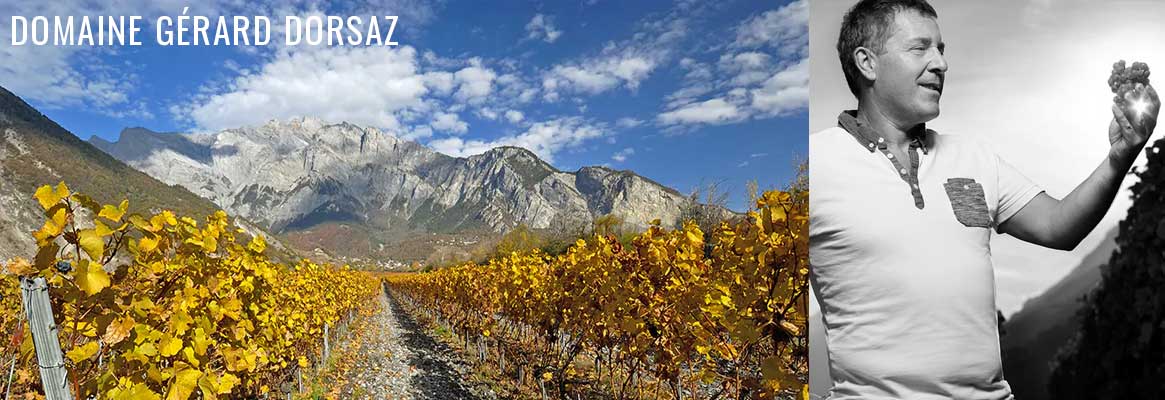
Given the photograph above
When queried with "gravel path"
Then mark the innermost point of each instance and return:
(399, 360)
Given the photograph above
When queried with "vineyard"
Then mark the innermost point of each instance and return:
(162, 305)
(675, 314)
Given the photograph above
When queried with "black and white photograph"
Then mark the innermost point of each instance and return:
(987, 207)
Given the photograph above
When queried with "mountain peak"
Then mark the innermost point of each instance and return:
(296, 174)
(511, 150)
(134, 133)
(520, 154)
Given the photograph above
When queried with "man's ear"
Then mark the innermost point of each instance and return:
(866, 61)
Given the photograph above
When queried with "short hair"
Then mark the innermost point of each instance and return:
(867, 24)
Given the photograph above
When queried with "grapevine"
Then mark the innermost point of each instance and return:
(161, 305)
(659, 318)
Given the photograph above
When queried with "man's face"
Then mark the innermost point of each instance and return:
(910, 70)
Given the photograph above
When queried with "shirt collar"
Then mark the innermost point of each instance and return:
(871, 139)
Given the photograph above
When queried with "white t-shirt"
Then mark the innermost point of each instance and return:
(904, 274)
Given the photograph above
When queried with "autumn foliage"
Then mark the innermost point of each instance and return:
(659, 318)
(161, 305)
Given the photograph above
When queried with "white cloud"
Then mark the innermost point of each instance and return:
(688, 94)
(64, 76)
(364, 85)
(542, 27)
(715, 111)
(785, 29)
(417, 132)
(587, 80)
(449, 122)
(474, 83)
(747, 68)
(621, 155)
(89, 78)
(624, 64)
(543, 138)
(602, 75)
(696, 70)
(750, 81)
(487, 113)
(439, 82)
(749, 60)
(785, 91)
(515, 116)
(628, 122)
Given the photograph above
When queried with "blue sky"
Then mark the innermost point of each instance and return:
(682, 92)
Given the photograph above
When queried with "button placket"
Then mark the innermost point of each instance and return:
(866, 135)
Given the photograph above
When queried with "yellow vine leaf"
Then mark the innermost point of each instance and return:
(147, 244)
(114, 213)
(91, 277)
(184, 383)
(19, 266)
(52, 226)
(146, 349)
(170, 345)
(118, 330)
(138, 391)
(83, 352)
(48, 197)
(90, 241)
(258, 244)
(190, 357)
(213, 386)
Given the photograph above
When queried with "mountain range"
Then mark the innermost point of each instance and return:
(36, 151)
(312, 181)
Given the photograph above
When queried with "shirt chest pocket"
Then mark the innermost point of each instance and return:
(968, 202)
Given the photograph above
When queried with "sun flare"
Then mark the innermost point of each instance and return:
(1139, 106)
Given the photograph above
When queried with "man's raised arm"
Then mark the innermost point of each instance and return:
(1062, 224)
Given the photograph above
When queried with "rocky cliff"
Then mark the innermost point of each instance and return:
(295, 174)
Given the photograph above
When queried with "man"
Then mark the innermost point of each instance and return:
(900, 218)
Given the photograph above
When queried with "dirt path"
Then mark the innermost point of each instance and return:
(400, 360)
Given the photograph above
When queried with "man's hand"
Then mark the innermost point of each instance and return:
(1132, 125)
(1062, 224)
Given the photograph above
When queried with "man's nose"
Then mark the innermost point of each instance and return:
(938, 63)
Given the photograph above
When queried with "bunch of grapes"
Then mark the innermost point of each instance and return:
(1124, 80)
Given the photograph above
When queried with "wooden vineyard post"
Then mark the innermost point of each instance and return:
(35, 293)
(11, 369)
(327, 348)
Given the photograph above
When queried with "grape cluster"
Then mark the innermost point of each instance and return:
(1124, 80)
